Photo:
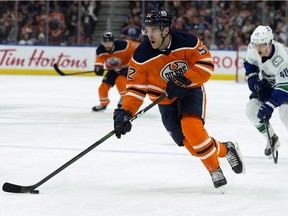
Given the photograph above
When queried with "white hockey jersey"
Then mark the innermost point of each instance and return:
(274, 69)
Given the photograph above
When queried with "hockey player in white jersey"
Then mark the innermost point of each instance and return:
(266, 66)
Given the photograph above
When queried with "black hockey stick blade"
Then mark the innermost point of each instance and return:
(56, 68)
(13, 188)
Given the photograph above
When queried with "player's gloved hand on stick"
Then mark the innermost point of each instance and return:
(254, 83)
(122, 125)
(98, 70)
(177, 86)
(258, 87)
(265, 111)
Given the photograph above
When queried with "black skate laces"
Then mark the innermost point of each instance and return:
(232, 159)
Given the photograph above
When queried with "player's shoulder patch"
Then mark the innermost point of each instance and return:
(277, 60)
(280, 55)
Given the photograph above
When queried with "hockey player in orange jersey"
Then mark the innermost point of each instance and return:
(115, 56)
(177, 64)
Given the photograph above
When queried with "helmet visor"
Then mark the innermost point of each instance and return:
(151, 30)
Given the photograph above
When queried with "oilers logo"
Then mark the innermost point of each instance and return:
(174, 68)
(113, 61)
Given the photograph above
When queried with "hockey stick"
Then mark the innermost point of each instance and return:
(56, 68)
(274, 153)
(265, 122)
(13, 188)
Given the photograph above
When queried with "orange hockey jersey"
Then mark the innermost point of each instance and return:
(150, 69)
(119, 57)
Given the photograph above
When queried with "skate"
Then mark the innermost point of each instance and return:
(274, 145)
(98, 108)
(119, 105)
(234, 157)
(218, 178)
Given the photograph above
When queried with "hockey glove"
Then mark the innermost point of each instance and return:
(254, 83)
(177, 86)
(99, 70)
(122, 125)
(259, 89)
(265, 111)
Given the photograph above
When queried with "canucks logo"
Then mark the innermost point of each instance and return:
(113, 61)
(277, 61)
(174, 68)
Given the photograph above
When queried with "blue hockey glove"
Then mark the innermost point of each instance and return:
(259, 88)
(254, 83)
(265, 111)
(122, 125)
(99, 70)
(177, 86)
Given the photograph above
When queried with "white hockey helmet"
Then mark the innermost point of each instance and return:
(262, 34)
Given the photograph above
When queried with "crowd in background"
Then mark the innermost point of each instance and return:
(61, 18)
(220, 24)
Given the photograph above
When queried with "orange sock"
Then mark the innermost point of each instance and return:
(189, 148)
(103, 93)
(204, 146)
(223, 150)
(121, 85)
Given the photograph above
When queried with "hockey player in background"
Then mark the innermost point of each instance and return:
(266, 66)
(115, 56)
(177, 64)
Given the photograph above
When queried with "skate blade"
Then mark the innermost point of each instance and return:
(221, 190)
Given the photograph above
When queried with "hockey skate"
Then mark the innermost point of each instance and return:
(274, 145)
(98, 108)
(119, 105)
(234, 157)
(218, 178)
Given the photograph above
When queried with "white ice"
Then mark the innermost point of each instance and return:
(46, 120)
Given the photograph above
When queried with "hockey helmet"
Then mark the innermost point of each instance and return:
(108, 37)
(261, 35)
(158, 18)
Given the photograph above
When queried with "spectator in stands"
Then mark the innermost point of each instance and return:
(42, 16)
(27, 28)
(25, 39)
(236, 18)
(56, 17)
(59, 35)
(92, 11)
(3, 34)
(88, 25)
(132, 31)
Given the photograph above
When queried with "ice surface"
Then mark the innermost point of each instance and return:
(47, 120)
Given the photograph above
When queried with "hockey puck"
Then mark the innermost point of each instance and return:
(34, 192)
